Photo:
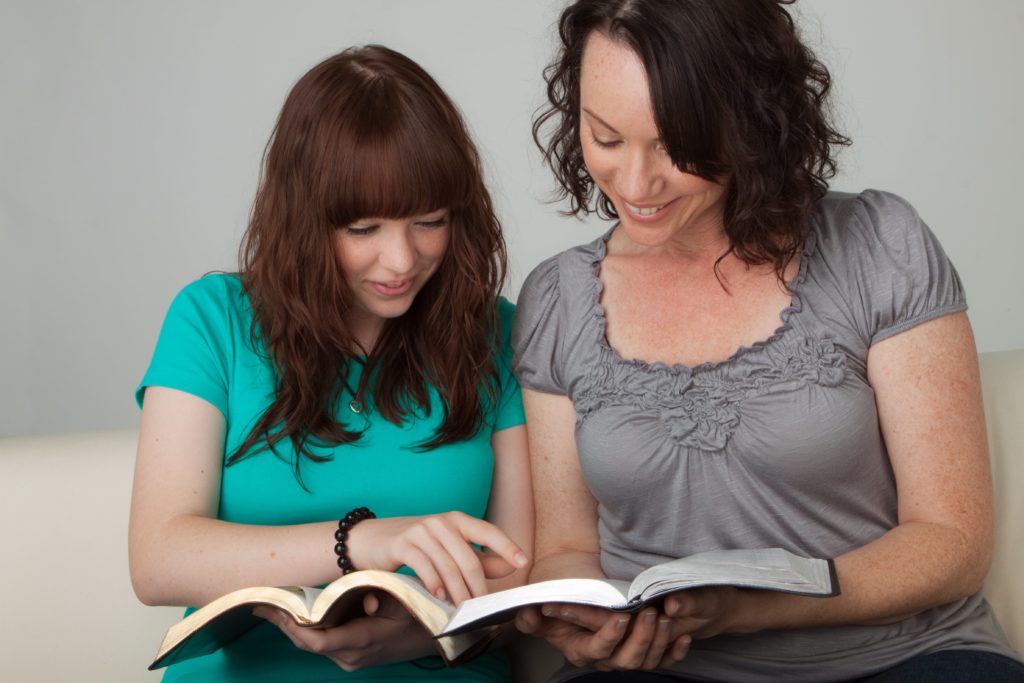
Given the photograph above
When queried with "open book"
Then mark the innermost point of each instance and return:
(766, 568)
(218, 623)
(464, 631)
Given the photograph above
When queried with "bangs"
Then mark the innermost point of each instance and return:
(393, 157)
(688, 115)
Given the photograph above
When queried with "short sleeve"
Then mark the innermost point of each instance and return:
(193, 351)
(510, 403)
(903, 276)
(537, 334)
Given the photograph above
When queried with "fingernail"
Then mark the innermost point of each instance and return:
(549, 612)
(663, 624)
(440, 594)
(621, 623)
(521, 559)
(649, 618)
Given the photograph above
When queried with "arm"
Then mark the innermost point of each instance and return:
(178, 552)
(567, 545)
(929, 405)
(181, 554)
(511, 504)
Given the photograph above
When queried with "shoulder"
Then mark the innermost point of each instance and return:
(213, 289)
(867, 219)
(877, 254)
(563, 274)
(215, 306)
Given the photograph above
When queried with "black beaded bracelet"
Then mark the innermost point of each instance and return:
(345, 525)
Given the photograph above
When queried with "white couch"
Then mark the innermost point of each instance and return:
(69, 611)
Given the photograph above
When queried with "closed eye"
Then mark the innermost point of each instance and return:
(359, 230)
(605, 144)
(435, 223)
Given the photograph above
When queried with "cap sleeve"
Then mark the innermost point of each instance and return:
(902, 273)
(537, 331)
(192, 353)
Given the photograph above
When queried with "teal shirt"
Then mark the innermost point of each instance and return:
(205, 349)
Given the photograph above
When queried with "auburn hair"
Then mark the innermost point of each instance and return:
(736, 96)
(368, 133)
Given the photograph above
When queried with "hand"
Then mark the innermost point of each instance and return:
(438, 548)
(607, 640)
(386, 634)
(704, 612)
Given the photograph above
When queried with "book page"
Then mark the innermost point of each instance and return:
(499, 607)
(216, 624)
(767, 568)
(343, 599)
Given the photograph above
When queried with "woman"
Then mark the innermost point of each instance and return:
(360, 358)
(743, 361)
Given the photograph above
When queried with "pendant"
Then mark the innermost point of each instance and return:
(356, 406)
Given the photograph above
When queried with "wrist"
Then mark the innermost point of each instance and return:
(343, 538)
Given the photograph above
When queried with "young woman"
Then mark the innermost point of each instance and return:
(746, 360)
(359, 358)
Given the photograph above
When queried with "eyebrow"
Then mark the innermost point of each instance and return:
(601, 121)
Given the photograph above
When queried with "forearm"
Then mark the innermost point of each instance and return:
(190, 560)
(912, 568)
(564, 564)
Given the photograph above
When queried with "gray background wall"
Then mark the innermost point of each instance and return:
(131, 135)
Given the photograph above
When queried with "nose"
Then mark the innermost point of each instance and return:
(638, 176)
(398, 253)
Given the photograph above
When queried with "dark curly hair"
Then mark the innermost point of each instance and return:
(368, 133)
(736, 94)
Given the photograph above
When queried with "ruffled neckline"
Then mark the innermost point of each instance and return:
(785, 315)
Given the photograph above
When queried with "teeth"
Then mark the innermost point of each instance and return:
(643, 212)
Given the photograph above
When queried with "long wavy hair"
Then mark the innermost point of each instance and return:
(736, 95)
(368, 133)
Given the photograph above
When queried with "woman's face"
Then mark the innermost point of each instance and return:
(625, 156)
(386, 262)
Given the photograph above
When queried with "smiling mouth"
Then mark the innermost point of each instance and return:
(393, 288)
(645, 211)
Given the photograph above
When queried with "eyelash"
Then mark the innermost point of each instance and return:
(602, 143)
(434, 224)
(370, 229)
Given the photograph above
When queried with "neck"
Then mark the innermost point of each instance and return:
(365, 329)
(701, 241)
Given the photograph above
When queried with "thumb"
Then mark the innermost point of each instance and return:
(527, 620)
(385, 606)
(371, 603)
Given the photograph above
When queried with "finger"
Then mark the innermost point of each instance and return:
(284, 624)
(439, 544)
(632, 652)
(677, 651)
(528, 620)
(485, 534)
(419, 562)
(677, 605)
(656, 651)
(495, 566)
(602, 644)
(463, 555)
(591, 618)
(389, 608)
(371, 603)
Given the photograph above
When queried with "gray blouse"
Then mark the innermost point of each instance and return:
(779, 445)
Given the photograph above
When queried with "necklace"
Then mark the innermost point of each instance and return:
(355, 405)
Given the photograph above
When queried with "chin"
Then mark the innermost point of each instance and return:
(646, 235)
